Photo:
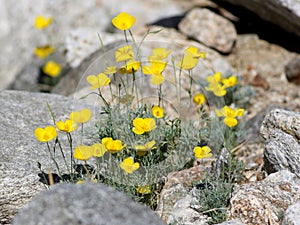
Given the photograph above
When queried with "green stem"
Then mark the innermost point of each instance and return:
(53, 159)
(63, 155)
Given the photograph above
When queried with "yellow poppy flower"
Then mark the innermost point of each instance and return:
(98, 81)
(42, 22)
(46, 134)
(194, 52)
(143, 149)
(113, 146)
(199, 99)
(128, 165)
(130, 67)
(81, 116)
(43, 51)
(217, 77)
(67, 126)
(143, 125)
(99, 149)
(218, 89)
(52, 69)
(83, 152)
(110, 70)
(124, 53)
(155, 69)
(230, 81)
(202, 152)
(123, 21)
(146, 189)
(158, 112)
(230, 115)
(159, 54)
(188, 62)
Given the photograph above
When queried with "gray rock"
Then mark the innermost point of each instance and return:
(285, 13)
(281, 132)
(253, 125)
(232, 222)
(292, 71)
(210, 29)
(85, 204)
(262, 202)
(292, 215)
(177, 204)
(20, 114)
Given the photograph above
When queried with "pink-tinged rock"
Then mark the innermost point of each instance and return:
(210, 29)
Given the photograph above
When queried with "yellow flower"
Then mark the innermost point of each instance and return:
(99, 149)
(123, 21)
(230, 81)
(156, 69)
(83, 152)
(144, 189)
(159, 54)
(143, 149)
(128, 165)
(199, 99)
(113, 146)
(98, 81)
(230, 115)
(202, 152)
(214, 85)
(143, 125)
(52, 69)
(110, 70)
(81, 116)
(130, 67)
(124, 53)
(217, 77)
(42, 22)
(194, 52)
(67, 126)
(188, 62)
(158, 112)
(43, 51)
(46, 134)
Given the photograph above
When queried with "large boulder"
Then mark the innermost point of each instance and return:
(85, 204)
(285, 13)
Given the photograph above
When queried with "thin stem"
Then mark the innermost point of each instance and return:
(71, 149)
(63, 155)
(125, 37)
(53, 159)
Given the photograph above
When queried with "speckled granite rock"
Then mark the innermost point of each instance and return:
(260, 202)
(281, 132)
(176, 199)
(85, 204)
(292, 215)
(210, 29)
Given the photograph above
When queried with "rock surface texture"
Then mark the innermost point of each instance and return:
(210, 29)
(85, 204)
(285, 13)
(20, 114)
(281, 131)
(292, 71)
(262, 202)
(292, 215)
